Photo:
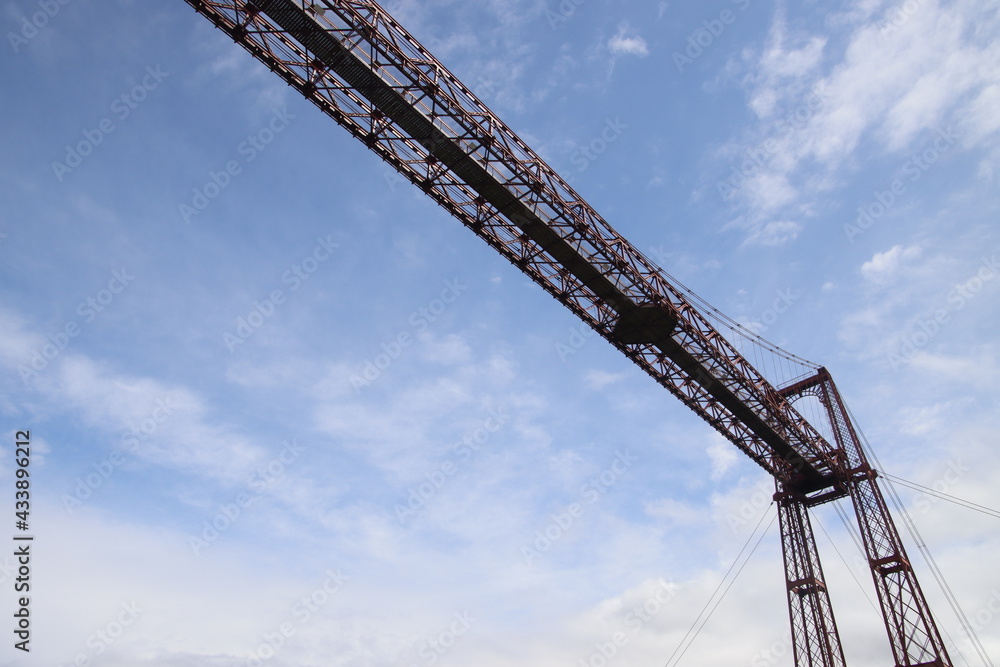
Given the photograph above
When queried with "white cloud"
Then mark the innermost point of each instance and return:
(449, 350)
(675, 511)
(775, 233)
(927, 420)
(170, 425)
(883, 266)
(770, 190)
(600, 379)
(785, 62)
(897, 87)
(367, 448)
(977, 368)
(910, 90)
(625, 42)
(983, 119)
(723, 456)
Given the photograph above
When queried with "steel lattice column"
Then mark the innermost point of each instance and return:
(912, 631)
(913, 634)
(815, 640)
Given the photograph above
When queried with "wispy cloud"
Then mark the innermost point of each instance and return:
(482, 423)
(913, 91)
(774, 233)
(883, 266)
(627, 42)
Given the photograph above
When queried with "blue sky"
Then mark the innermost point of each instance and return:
(825, 173)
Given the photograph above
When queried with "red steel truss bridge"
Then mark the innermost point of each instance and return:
(358, 65)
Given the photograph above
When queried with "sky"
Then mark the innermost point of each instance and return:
(286, 411)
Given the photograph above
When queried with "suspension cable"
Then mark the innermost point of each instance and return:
(706, 307)
(692, 631)
(925, 552)
(850, 570)
(943, 496)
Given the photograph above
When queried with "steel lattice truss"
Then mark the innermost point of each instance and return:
(358, 65)
(815, 640)
(912, 633)
(352, 60)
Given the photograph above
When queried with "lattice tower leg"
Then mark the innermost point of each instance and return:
(815, 640)
(913, 634)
